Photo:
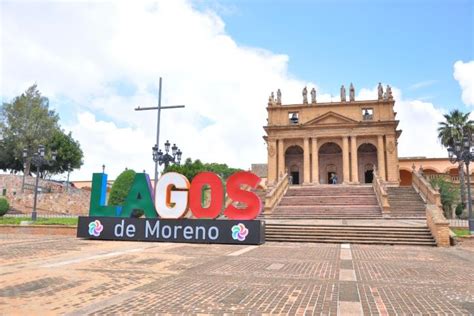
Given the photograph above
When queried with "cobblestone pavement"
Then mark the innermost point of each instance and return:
(64, 275)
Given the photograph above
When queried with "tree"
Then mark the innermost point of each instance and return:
(449, 195)
(69, 153)
(27, 122)
(121, 187)
(190, 169)
(456, 126)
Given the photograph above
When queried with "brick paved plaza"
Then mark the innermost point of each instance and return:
(65, 275)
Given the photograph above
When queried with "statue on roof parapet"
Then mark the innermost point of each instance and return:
(271, 99)
(343, 94)
(389, 93)
(313, 96)
(351, 93)
(380, 91)
(278, 100)
(305, 96)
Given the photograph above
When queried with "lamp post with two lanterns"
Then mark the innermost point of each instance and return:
(165, 158)
(461, 152)
(38, 159)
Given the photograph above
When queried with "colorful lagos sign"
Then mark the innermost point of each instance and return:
(168, 213)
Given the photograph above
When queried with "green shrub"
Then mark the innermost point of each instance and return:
(4, 206)
(459, 209)
(121, 187)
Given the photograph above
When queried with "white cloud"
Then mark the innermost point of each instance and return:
(422, 84)
(418, 122)
(82, 48)
(464, 74)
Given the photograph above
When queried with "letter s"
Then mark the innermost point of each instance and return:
(236, 194)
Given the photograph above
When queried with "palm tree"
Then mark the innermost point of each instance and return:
(456, 126)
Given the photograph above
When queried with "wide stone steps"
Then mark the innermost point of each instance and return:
(393, 235)
(328, 200)
(330, 192)
(405, 201)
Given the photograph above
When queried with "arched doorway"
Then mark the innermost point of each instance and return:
(405, 178)
(330, 163)
(368, 173)
(367, 159)
(294, 163)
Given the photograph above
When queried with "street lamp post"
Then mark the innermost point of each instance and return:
(25, 155)
(68, 172)
(461, 151)
(165, 158)
(39, 160)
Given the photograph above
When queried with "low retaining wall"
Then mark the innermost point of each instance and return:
(39, 230)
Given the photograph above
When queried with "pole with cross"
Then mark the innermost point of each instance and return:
(158, 108)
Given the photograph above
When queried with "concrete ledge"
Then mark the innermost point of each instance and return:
(61, 230)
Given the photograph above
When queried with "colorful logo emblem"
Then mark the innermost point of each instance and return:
(95, 228)
(239, 232)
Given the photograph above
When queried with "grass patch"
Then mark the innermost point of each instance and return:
(461, 232)
(39, 221)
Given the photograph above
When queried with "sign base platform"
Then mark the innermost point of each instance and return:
(241, 232)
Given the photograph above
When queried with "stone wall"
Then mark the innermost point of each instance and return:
(59, 201)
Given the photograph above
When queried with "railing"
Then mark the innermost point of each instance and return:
(424, 188)
(276, 193)
(381, 193)
(447, 177)
(435, 219)
(42, 215)
(458, 222)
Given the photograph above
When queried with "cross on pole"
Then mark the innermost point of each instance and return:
(158, 108)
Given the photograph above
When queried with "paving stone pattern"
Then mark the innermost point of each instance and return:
(63, 275)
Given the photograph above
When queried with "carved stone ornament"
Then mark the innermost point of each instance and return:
(391, 147)
(271, 151)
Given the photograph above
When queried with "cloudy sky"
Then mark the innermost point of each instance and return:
(97, 61)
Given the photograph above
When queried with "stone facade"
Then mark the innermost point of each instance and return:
(59, 201)
(313, 142)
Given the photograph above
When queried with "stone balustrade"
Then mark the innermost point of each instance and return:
(274, 196)
(438, 225)
(381, 193)
(424, 188)
(435, 219)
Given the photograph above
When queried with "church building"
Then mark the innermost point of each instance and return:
(333, 142)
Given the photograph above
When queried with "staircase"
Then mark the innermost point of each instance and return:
(347, 214)
(328, 202)
(386, 235)
(405, 202)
